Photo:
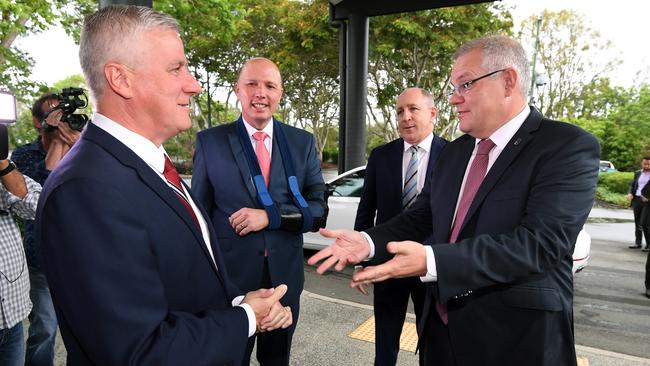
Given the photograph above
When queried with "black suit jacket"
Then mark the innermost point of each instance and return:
(382, 186)
(507, 281)
(634, 185)
(130, 274)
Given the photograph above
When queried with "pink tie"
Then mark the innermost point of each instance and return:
(474, 178)
(263, 158)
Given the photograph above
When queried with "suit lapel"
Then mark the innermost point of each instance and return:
(394, 164)
(128, 158)
(445, 208)
(519, 140)
(240, 160)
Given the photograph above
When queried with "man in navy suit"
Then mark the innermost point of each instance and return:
(395, 170)
(261, 184)
(503, 208)
(136, 273)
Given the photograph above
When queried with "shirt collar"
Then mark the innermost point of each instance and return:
(153, 155)
(251, 130)
(502, 136)
(424, 144)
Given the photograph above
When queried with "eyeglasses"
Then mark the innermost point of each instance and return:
(467, 86)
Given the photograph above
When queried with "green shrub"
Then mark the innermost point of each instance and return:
(326, 156)
(605, 195)
(616, 182)
(334, 156)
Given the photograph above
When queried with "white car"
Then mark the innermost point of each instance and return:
(344, 199)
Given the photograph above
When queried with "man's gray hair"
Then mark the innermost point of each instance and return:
(500, 52)
(111, 35)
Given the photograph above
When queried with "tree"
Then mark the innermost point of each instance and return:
(571, 53)
(416, 49)
(21, 18)
(308, 59)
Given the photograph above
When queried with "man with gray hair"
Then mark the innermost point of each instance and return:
(136, 273)
(503, 226)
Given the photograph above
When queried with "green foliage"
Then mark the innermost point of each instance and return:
(616, 182)
(415, 49)
(605, 195)
(621, 131)
(571, 55)
(21, 18)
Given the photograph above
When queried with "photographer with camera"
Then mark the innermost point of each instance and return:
(36, 160)
(18, 196)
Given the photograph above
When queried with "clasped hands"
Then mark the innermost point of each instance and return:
(269, 312)
(351, 247)
(247, 220)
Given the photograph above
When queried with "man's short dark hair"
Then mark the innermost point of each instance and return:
(647, 157)
(37, 107)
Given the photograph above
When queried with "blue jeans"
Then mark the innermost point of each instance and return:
(42, 322)
(11, 346)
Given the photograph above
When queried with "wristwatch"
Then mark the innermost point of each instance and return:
(8, 169)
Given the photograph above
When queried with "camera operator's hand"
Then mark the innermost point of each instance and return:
(54, 118)
(60, 141)
(67, 135)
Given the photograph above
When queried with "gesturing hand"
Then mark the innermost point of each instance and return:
(410, 260)
(350, 247)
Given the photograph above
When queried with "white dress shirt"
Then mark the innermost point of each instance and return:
(154, 156)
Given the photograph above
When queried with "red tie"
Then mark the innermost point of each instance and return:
(263, 158)
(474, 178)
(172, 177)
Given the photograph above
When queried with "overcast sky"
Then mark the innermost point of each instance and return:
(56, 55)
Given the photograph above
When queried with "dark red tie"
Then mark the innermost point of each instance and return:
(472, 183)
(174, 180)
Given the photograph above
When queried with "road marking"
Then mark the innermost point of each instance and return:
(408, 341)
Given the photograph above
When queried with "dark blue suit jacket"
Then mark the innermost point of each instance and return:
(382, 186)
(130, 274)
(507, 281)
(222, 183)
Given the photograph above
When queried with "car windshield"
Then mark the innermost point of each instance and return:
(349, 186)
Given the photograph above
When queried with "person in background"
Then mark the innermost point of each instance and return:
(639, 203)
(36, 160)
(18, 197)
(135, 270)
(395, 175)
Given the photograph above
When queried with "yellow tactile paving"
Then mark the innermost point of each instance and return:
(409, 339)
(366, 332)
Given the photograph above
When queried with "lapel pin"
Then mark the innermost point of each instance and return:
(517, 141)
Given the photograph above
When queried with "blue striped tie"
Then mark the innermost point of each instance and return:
(410, 191)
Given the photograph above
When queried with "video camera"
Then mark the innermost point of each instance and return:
(70, 100)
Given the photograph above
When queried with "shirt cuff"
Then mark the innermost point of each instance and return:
(371, 244)
(250, 314)
(432, 273)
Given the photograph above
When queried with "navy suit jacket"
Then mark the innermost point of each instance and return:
(382, 187)
(507, 281)
(130, 274)
(223, 184)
